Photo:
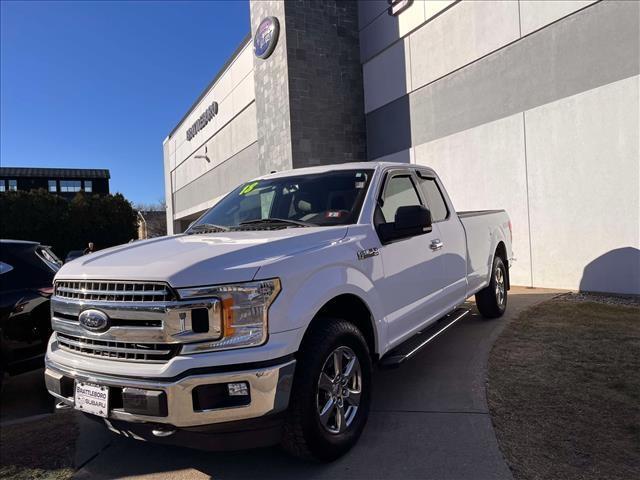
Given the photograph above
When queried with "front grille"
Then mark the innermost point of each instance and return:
(129, 351)
(113, 322)
(110, 291)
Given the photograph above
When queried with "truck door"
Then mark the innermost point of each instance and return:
(410, 289)
(452, 236)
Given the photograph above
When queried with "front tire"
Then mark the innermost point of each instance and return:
(492, 300)
(331, 392)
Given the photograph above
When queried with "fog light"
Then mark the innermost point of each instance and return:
(144, 402)
(221, 395)
(238, 389)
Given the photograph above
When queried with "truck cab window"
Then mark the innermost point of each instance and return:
(399, 192)
(255, 204)
(330, 198)
(435, 200)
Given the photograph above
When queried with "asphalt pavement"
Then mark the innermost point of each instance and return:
(429, 419)
(24, 397)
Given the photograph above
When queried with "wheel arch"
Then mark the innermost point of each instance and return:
(354, 309)
(501, 251)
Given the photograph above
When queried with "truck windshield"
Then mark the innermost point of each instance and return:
(330, 198)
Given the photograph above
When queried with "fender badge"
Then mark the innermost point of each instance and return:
(369, 252)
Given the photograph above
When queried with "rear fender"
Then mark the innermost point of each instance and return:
(497, 236)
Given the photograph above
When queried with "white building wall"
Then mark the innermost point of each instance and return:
(468, 162)
(584, 177)
(565, 165)
(535, 14)
(228, 134)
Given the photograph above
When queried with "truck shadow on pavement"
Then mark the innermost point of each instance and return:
(429, 419)
(25, 396)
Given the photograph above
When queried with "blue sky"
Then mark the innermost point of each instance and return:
(101, 84)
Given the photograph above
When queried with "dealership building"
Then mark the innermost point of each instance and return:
(527, 105)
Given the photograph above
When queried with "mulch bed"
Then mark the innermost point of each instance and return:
(564, 391)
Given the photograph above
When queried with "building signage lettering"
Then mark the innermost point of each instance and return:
(266, 37)
(396, 7)
(201, 122)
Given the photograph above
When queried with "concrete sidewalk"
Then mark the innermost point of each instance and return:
(429, 420)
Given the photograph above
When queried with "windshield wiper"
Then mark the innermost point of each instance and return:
(278, 220)
(207, 227)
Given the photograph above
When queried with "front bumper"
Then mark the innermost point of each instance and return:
(269, 387)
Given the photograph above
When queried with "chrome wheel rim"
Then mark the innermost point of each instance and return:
(500, 287)
(339, 390)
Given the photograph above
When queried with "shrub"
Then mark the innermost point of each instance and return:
(105, 220)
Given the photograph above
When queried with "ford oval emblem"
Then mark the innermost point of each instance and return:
(94, 320)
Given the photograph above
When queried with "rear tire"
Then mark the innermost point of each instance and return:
(492, 300)
(331, 392)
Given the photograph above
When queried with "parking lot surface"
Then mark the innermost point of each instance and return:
(25, 396)
(429, 419)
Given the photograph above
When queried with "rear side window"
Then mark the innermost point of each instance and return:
(435, 200)
(400, 192)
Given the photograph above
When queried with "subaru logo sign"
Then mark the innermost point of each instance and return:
(266, 37)
(94, 320)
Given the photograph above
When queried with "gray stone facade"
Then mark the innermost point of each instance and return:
(325, 82)
(309, 93)
(272, 94)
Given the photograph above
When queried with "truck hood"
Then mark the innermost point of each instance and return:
(201, 259)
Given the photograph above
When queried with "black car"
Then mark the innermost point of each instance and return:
(26, 285)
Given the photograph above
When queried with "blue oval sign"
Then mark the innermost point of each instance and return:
(94, 320)
(266, 37)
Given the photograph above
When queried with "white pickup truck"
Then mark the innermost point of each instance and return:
(262, 322)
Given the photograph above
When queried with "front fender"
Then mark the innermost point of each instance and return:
(338, 281)
(306, 290)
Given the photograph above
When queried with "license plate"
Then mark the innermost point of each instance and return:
(91, 398)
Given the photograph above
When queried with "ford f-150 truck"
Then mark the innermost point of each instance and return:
(262, 322)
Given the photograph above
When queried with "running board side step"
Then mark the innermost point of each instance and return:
(413, 345)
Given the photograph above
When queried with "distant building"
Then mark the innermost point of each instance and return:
(151, 224)
(62, 181)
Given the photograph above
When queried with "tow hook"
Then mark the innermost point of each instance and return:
(163, 432)
(63, 406)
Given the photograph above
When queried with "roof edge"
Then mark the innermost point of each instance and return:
(38, 172)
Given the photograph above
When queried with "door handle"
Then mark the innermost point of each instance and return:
(436, 244)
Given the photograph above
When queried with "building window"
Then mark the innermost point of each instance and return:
(3, 188)
(70, 185)
(13, 185)
(52, 186)
(88, 186)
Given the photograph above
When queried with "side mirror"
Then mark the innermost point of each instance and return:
(414, 218)
(409, 221)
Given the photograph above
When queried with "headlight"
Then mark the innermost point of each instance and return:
(244, 313)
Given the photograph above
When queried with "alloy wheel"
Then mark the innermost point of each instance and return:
(500, 286)
(339, 390)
